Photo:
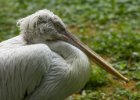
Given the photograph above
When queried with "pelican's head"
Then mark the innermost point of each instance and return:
(46, 26)
(41, 26)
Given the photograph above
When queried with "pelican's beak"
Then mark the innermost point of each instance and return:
(94, 56)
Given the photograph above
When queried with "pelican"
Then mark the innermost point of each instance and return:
(45, 61)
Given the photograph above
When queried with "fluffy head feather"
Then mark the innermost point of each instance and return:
(42, 25)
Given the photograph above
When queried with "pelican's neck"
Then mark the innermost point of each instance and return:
(67, 51)
(74, 57)
(75, 71)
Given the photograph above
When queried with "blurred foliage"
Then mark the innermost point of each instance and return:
(110, 27)
(98, 78)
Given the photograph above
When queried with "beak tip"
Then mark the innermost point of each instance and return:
(126, 80)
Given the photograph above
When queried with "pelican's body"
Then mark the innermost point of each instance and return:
(40, 71)
(45, 62)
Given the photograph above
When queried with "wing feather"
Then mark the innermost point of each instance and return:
(21, 70)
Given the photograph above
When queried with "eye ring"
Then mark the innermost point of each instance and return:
(57, 25)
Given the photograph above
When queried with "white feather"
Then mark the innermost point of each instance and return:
(40, 70)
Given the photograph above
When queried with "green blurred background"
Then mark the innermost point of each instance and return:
(109, 27)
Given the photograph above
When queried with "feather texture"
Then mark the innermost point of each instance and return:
(51, 71)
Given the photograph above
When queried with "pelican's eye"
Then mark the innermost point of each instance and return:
(57, 25)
